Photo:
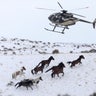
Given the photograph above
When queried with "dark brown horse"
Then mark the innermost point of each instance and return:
(37, 69)
(57, 69)
(77, 61)
(46, 62)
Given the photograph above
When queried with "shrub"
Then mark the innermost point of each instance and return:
(56, 51)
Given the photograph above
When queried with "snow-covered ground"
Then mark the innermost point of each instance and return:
(77, 81)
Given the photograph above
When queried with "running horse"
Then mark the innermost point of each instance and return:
(57, 69)
(77, 61)
(37, 69)
(18, 73)
(46, 62)
(25, 83)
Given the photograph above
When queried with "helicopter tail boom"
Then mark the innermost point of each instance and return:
(94, 22)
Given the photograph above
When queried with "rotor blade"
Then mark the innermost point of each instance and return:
(79, 8)
(79, 15)
(46, 9)
(60, 5)
(83, 8)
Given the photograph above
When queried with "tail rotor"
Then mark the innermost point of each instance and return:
(94, 23)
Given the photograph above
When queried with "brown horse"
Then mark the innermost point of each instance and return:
(46, 62)
(57, 69)
(37, 69)
(77, 61)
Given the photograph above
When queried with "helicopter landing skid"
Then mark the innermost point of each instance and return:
(54, 31)
(66, 27)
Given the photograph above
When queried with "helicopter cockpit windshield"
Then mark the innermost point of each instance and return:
(56, 18)
(59, 17)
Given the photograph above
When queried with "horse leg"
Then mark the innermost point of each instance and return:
(47, 65)
(32, 72)
(63, 74)
(27, 87)
(42, 70)
(18, 86)
(36, 72)
(23, 74)
(30, 87)
(36, 85)
(58, 75)
(52, 75)
(80, 62)
(14, 76)
(72, 65)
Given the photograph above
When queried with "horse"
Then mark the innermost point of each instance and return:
(36, 80)
(20, 72)
(26, 83)
(37, 69)
(46, 62)
(77, 61)
(57, 69)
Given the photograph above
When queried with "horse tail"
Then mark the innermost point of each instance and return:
(17, 83)
(49, 69)
(69, 62)
(32, 71)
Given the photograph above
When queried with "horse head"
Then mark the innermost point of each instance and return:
(82, 57)
(61, 64)
(51, 58)
(40, 78)
(23, 68)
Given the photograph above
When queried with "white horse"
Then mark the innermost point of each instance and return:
(36, 80)
(18, 73)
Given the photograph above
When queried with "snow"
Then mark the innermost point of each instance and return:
(77, 81)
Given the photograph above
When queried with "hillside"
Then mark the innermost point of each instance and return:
(18, 46)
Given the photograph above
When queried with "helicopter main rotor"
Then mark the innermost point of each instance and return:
(65, 11)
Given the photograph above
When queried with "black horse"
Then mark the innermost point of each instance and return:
(26, 83)
(77, 61)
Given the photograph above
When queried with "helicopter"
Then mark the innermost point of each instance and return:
(64, 19)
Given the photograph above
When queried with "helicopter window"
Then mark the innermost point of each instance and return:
(59, 17)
